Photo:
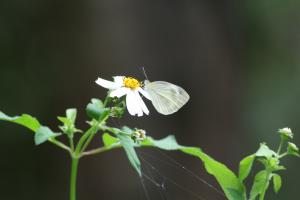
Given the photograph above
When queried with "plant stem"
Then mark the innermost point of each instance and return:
(59, 144)
(71, 143)
(99, 150)
(85, 136)
(73, 178)
(282, 155)
(91, 135)
(106, 100)
(87, 142)
(280, 146)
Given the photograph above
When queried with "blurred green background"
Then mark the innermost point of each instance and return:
(239, 60)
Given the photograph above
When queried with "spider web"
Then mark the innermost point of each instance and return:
(156, 182)
(159, 184)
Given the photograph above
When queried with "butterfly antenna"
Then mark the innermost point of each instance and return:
(144, 72)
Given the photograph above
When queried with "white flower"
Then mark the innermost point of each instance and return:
(130, 87)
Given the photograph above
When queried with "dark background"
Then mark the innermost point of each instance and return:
(239, 61)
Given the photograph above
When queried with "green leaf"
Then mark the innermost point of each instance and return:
(245, 167)
(65, 120)
(168, 143)
(109, 141)
(24, 120)
(127, 130)
(230, 184)
(265, 151)
(234, 194)
(260, 184)
(128, 146)
(95, 110)
(276, 182)
(228, 181)
(43, 134)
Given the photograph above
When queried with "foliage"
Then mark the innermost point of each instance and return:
(129, 139)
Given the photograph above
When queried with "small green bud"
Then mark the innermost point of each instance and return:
(292, 149)
(285, 133)
(117, 112)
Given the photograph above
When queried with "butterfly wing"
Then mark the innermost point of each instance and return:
(166, 98)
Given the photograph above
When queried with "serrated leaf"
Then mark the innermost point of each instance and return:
(276, 182)
(128, 146)
(43, 134)
(260, 184)
(95, 110)
(24, 120)
(245, 167)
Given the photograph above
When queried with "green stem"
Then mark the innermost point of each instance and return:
(73, 178)
(99, 150)
(282, 155)
(279, 148)
(82, 140)
(106, 100)
(88, 141)
(71, 143)
(59, 144)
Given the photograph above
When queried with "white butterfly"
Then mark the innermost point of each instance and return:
(166, 98)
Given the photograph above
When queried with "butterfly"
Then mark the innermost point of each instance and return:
(166, 97)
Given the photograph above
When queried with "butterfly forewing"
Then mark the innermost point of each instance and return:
(166, 98)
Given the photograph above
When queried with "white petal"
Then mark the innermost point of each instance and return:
(119, 80)
(144, 93)
(107, 84)
(119, 92)
(130, 103)
(141, 103)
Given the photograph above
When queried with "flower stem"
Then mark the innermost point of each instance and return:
(73, 178)
(280, 146)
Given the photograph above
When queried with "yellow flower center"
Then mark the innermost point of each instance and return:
(131, 83)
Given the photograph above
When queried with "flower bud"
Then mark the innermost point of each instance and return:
(286, 133)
